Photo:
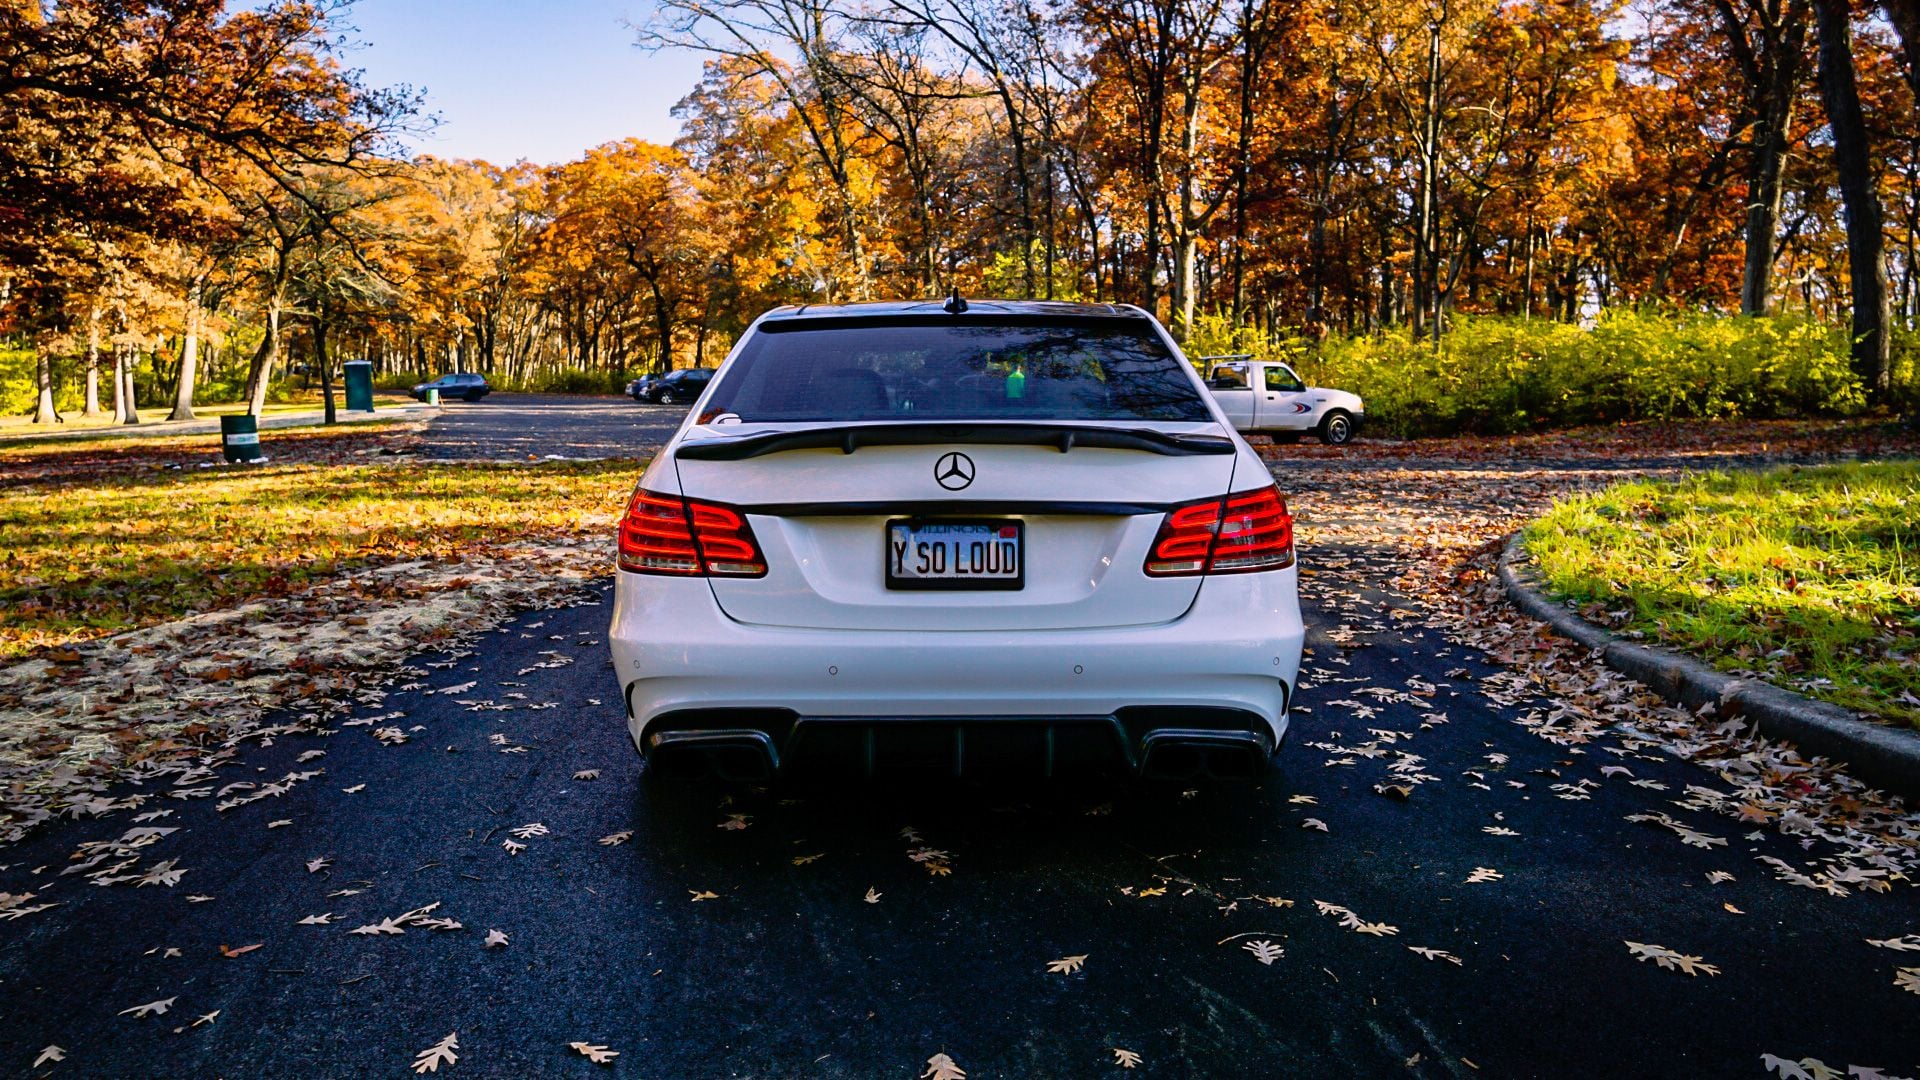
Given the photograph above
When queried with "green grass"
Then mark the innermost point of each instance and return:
(83, 559)
(1809, 576)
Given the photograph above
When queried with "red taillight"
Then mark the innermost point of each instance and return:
(665, 535)
(1236, 535)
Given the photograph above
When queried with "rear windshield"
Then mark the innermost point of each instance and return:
(947, 369)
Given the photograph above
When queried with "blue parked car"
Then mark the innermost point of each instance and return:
(468, 386)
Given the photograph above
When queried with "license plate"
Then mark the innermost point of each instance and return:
(955, 555)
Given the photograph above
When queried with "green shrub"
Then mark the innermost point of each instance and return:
(1498, 375)
(18, 385)
(566, 381)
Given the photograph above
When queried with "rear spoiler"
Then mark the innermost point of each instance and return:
(849, 439)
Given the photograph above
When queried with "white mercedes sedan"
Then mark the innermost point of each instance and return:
(959, 538)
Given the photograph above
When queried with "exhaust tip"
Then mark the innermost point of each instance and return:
(677, 763)
(1174, 762)
(744, 764)
(737, 755)
(1232, 763)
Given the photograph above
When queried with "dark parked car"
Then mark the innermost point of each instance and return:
(675, 387)
(638, 389)
(468, 386)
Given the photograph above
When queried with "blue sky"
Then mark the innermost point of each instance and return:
(516, 79)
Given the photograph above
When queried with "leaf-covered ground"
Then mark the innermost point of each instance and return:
(152, 600)
(83, 559)
(1807, 577)
(1482, 855)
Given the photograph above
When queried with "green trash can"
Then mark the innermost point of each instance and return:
(359, 377)
(240, 437)
(433, 395)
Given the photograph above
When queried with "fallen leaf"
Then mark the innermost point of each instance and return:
(1067, 965)
(317, 920)
(241, 951)
(1264, 951)
(1482, 874)
(51, 1053)
(207, 1019)
(587, 774)
(279, 823)
(599, 1055)
(1907, 979)
(162, 873)
(1314, 823)
(354, 790)
(151, 1008)
(1903, 943)
(1126, 1059)
(1716, 877)
(1671, 960)
(440, 1053)
(615, 839)
(512, 847)
(1354, 922)
(529, 831)
(495, 939)
(872, 897)
(1157, 890)
(1733, 910)
(942, 1067)
(314, 866)
(803, 860)
(1812, 1068)
(735, 822)
(1437, 954)
(699, 895)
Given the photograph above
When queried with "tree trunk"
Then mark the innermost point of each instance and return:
(44, 412)
(189, 360)
(260, 370)
(1186, 224)
(93, 363)
(1763, 209)
(326, 364)
(128, 406)
(1773, 82)
(1866, 242)
(1427, 202)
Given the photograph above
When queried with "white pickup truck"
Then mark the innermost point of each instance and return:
(1266, 396)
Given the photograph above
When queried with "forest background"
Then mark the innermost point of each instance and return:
(1486, 215)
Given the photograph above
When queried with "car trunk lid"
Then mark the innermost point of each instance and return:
(1087, 500)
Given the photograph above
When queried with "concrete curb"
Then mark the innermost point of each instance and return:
(1885, 756)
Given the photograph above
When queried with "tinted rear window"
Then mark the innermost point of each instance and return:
(947, 369)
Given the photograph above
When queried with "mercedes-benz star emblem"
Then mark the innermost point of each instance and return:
(953, 471)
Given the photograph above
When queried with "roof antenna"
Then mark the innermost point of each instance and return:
(955, 303)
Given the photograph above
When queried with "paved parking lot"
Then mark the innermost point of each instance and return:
(519, 426)
(1477, 857)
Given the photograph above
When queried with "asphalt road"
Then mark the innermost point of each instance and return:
(518, 426)
(788, 970)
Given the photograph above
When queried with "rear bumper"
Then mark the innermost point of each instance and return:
(757, 744)
(1208, 692)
